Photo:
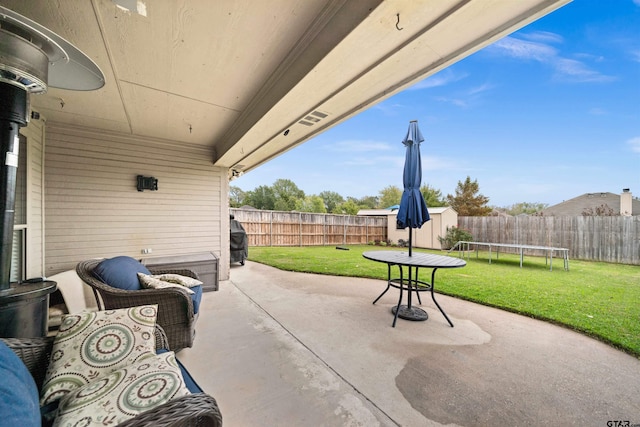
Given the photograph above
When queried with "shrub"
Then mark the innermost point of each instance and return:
(453, 236)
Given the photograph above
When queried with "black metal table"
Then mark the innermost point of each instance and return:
(415, 261)
(24, 309)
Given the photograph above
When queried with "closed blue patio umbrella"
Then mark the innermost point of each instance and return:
(412, 212)
(413, 209)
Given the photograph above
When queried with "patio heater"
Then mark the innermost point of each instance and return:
(31, 57)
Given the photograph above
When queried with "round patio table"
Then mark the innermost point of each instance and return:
(412, 283)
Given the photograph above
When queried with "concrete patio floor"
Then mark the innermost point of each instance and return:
(289, 349)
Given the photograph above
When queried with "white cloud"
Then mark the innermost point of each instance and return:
(455, 101)
(442, 78)
(467, 98)
(359, 146)
(393, 162)
(543, 37)
(389, 109)
(522, 49)
(565, 68)
(432, 163)
(578, 72)
(635, 54)
(596, 111)
(479, 89)
(634, 143)
(589, 57)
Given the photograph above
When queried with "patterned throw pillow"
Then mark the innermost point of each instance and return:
(189, 282)
(123, 394)
(155, 282)
(93, 344)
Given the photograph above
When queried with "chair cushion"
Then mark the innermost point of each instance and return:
(155, 282)
(189, 382)
(196, 298)
(125, 393)
(120, 272)
(194, 291)
(189, 282)
(94, 344)
(18, 392)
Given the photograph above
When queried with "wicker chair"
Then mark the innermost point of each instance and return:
(198, 409)
(175, 307)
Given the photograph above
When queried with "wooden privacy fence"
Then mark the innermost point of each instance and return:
(276, 228)
(595, 238)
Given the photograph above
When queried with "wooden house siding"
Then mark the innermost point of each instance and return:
(93, 208)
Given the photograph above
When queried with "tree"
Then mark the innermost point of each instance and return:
(525, 208)
(602, 210)
(236, 196)
(453, 236)
(432, 196)
(331, 199)
(311, 204)
(366, 202)
(261, 197)
(467, 201)
(350, 207)
(286, 194)
(389, 196)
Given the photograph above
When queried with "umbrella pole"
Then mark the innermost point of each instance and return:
(410, 269)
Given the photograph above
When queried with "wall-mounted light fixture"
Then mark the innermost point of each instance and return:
(236, 171)
(235, 174)
(147, 183)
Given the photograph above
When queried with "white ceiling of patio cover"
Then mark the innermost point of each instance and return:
(233, 75)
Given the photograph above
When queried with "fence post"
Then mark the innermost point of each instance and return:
(300, 229)
(366, 231)
(324, 231)
(344, 231)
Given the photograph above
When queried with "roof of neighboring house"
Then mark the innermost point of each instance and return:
(385, 212)
(577, 205)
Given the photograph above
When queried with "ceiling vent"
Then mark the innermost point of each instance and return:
(312, 118)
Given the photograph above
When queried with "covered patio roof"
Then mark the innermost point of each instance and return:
(251, 79)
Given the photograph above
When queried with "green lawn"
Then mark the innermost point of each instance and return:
(598, 299)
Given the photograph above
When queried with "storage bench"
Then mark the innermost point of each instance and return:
(204, 264)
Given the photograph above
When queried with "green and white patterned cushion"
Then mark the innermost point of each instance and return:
(123, 394)
(150, 281)
(93, 344)
(189, 282)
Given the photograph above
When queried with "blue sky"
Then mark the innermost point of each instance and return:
(541, 116)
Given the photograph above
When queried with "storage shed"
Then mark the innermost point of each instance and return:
(425, 237)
